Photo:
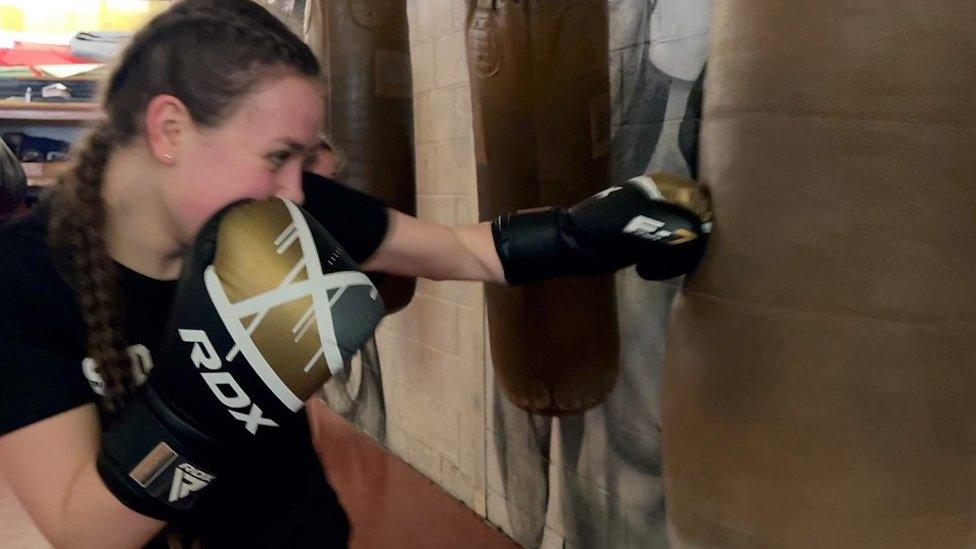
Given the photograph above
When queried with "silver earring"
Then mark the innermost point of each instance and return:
(168, 157)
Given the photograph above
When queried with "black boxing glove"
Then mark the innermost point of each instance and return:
(659, 223)
(268, 307)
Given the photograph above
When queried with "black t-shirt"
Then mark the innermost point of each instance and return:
(44, 371)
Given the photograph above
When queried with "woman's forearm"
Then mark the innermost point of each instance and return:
(425, 249)
(92, 517)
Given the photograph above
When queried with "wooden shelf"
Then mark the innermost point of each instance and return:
(49, 112)
(42, 174)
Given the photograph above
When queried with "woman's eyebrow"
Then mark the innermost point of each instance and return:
(297, 145)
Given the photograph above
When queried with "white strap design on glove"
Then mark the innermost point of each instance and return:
(317, 287)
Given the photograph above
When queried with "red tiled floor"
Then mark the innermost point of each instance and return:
(389, 503)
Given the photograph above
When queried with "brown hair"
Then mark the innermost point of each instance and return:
(209, 54)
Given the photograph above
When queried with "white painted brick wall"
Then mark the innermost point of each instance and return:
(433, 351)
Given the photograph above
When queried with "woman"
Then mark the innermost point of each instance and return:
(212, 102)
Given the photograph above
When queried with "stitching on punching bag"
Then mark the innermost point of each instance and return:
(372, 14)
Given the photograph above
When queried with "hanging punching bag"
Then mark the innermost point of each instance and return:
(364, 49)
(820, 388)
(539, 86)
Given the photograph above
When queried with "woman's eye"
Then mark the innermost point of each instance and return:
(278, 159)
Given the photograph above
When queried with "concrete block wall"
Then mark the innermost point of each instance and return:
(432, 352)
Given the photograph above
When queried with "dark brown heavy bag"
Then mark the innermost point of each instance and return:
(364, 49)
(540, 101)
(820, 389)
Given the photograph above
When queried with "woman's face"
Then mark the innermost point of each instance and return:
(257, 152)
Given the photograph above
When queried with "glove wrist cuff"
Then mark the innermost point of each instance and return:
(153, 462)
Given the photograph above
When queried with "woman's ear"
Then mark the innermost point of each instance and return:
(167, 124)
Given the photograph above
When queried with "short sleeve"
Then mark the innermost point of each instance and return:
(358, 221)
(36, 383)
(40, 345)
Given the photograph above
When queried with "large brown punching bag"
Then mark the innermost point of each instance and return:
(820, 389)
(364, 49)
(539, 86)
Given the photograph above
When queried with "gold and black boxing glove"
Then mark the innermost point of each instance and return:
(269, 306)
(660, 223)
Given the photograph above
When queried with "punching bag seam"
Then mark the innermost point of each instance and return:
(718, 114)
(793, 310)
